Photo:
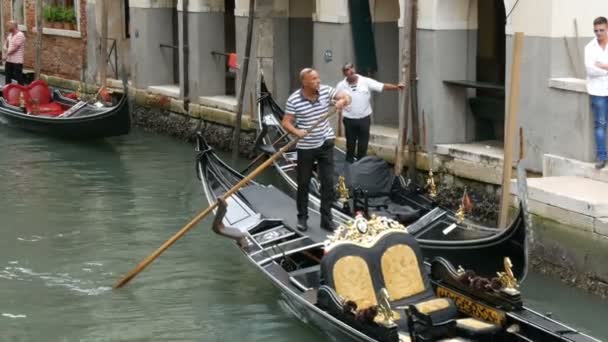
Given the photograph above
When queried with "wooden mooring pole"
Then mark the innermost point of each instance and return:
(404, 111)
(510, 129)
(38, 61)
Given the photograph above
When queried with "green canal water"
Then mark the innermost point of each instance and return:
(77, 216)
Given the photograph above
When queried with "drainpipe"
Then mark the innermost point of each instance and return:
(185, 54)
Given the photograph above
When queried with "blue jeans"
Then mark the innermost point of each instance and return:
(599, 105)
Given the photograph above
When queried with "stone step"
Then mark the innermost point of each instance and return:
(224, 102)
(560, 166)
(486, 152)
(576, 194)
(384, 135)
(170, 90)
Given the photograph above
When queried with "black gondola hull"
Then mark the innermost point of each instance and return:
(217, 178)
(114, 121)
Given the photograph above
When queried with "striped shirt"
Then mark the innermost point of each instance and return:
(16, 47)
(307, 113)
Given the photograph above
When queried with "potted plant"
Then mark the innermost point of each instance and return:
(59, 17)
(70, 18)
(47, 14)
(53, 16)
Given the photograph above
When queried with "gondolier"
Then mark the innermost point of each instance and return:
(357, 117)
(304, 107)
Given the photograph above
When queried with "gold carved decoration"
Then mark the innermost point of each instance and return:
(363, 231)
(342, 189)
(460, 214)
(430, 185)
(507, 278)
(473, 308)
(385, 315)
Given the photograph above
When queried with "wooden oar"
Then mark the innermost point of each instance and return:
(144, 263)
(261, 155)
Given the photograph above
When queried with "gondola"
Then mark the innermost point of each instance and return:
(444, 233)
(41, 109)
(325, 280)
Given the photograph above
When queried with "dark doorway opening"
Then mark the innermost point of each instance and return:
(488, 107)
(230, 43)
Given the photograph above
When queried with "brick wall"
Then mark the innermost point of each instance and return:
(61, 56)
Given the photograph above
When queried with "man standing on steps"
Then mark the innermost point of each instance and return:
(304, 108)
(357, 117)
(596, 63)
(15, 50)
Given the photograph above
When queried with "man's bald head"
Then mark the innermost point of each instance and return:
(309, 78)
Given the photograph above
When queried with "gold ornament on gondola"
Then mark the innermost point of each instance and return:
(363, 231)
(386, 315)
(460, 214)
(79, 91)
(342, 189)
(430, 185)
(466, 206)
(507, 278)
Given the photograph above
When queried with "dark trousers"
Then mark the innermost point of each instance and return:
(357, 137)
(324, 156)
(13, 71)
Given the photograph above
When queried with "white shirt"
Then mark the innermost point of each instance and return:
(597, 78)
(360, 93)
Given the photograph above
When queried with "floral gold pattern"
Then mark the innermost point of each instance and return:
(401, 272)
(353, 281)
(376, 226)
(474, 309)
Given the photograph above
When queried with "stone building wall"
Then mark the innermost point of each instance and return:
(63, 51)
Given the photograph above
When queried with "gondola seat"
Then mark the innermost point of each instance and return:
(409, 286)
(393, 261)
(347, 277)
(12, 93)
(39, 100)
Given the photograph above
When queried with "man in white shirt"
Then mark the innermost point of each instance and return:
(596, 63)
(357, 116)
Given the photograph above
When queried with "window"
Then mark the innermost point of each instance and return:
(61, 14)
(18, 11)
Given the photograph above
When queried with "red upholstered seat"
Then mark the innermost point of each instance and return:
(50, 109)
(39, 100)
(12, 93)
